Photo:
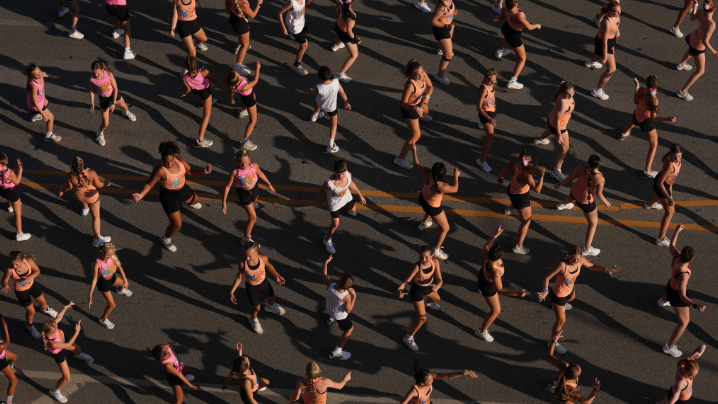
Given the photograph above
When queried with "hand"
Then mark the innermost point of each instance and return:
(434, 288)
(19, 164)
(172, 33)
(557, 185)
(559, 140)
(272, 190)
(69, 305)
(136, 197)
(542, 296)
(348, 107)
(558, 336)
(638, 85)
(419, 111)
(232, 298)
(457, 173)
(542, 171)
(400, 291)
(680, 228)
(107, 182)
(224, 387)
(604, 60)
(78, 327)
(496, 18)
(348, 376)
(499, 230)
(280, 281)
(208, 169)
(538, 26)
(240, 347)
(472, 374)
(89, 303)
(319, 201)
(4, 324)
(352, 292)
(193, 387)
(45, 117)
(181, 94)
(284, 31)
(672, 118)
(329, 259)
(60, 193)
(596, 383)
(693, 356)
(362, 200)
(173, 344)
(612, 270)
(701, 307)
(608, 204)
(500, 180)
(112, 108)
(523, 293)
(6, 289)
(671, 202)
(92, 108)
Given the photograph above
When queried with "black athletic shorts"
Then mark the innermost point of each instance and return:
(669, 395)
(598, 46)
(23, 296)
(188, 28)
(239, 24)
(121, 12)
(348, 206)
(519, 201)
(174, 380)
(171, 199)
(483, 120)
(248, 100)
(646, 125)
(486, 288)
(343, 36)
(105, 102)
(658, 191)
(11, 194)
(204, 93)
(59, 357)
(674, 297)
(247, 196)
(428, 209)
(408, 113)
(512, 36)
(693, 51)
(103, 285)
(552, 129)
(3, 363)
(253, 291)
(345, 324)
(560, 301)
(441, 32)
(301, 37)
(586, 207)
(417, 292)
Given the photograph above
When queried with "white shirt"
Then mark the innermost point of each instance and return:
(295, 17)
(335, 307)
(338, 197)
(327, 96)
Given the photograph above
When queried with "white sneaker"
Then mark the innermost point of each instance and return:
(649, 175)
(442, 79)
(559, 349)
(342, 77)
(403, 163)
(663, 242)
(201, 46)
(197, 205)
(484, 165)
(129, 55)
(684, 95)
(84, 357)
(515, 85)
(598, 93)
(591, 252)
(36, 117)
(10, 209)
(129, 115)
(422, 6)
(62, 11)
(256, 205)
(84, 212)
(22, 236)
(107, 324)
(343, 355)
(567, 307)
(118, 33)
(336, 47)
(243, 113)
(440, 52)
(183, 72)
(50, 312)
(496, 9)
(521, 250)
(52, 138)
(100, 139)
(501, 53)
(190, 378)
(317, 115)
(426, 118)
(124, 292)
(329, 245)
(423, 226)
(538, 140)
(241, 69)
(101, 240)
(593, 65)
(58, 396)
(33, 331)
(663, 303)
(673, 351)
(561, 206)
(333, 149)
(481, 125)
(409, 341)
(167, 242)
(256, 327)
(685, 67)
(331, 321)
(433, 306)
(676, 31)
(597, 21)
(557, 174)
(510, 212)
(484, 335)
(246, 240)
(440, 254)
(76, 35)
(204, 143)
(277, 309)
(300, 70)
(656, 206)
(623, 136)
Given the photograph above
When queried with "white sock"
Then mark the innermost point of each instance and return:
(271, 306)
(409, 337)
(48, 134)
(245, 141)
(127, 49)
(331, 142)
(513, 79)
(337, 351)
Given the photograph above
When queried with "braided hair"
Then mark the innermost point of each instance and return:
(313, 373)
(77, 168)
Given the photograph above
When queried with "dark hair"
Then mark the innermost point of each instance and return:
(420, 374)
(77, 167)
(525, 153)
(239, 365)
(169, 149)
(98, 65)
(19, 256)
(611, 5)
(563, 88)
(438, 171)
(650, 99)
(425, 249)
(675, 148)
(346, 13)
(575, 250)
(687, 254)
(411, 67)
(190, 63)
(158, 352)
(495, 252)
(3, 162)
(490, 72)
(325, 73)
(529, 169)
(712, 3)
(345, 282)
(563, 391)
(340, 166)
(30, 69)
(511, 3)
(594, 161)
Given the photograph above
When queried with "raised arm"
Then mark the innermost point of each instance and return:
(325, 277)
(454, 375)
(558, 363)
(298, 388)
(328, 383)
(450, 189)
(597, 268)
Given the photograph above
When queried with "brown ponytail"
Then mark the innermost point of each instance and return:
(313, 373)
(563, 88)
(77, 168)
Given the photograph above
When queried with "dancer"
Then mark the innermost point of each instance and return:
(491, 284)
(9, 180)
(430, 198)
(104, 277)
(186, 22)
(338, 189)
(7, 364)
(255, 267)
(177, 373)
(118, 9)
(688, 6)
(296, 28)
(522, 180)
(75, 6)
(249, 383)
(236, 83)
(686, 372)
(103, 81)
(54, 341)
(566, 385)
(646, 100)
(663, 187)
(310, 387)
(341, 299)
(424, 291)
(246, 182)
(557, 120)
(605, 46)
(84, 183)
(37, 102)
(442, 25)
(24, 272)
(414, 105)
(421, 5)
(325, 96)
(589, 182)
(173, 190)
(698, 42)
(344, 28)
(421, 391)
(677, 292)
(563, 290)
(486, 106)
(238, 11)
(512, 29)
(197, 81)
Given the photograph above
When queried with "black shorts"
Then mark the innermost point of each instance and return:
(441, 32)
(188, 28)
(658, 191)
(253, 291)
(103, 285)
(512, 36)
(428, 209)
(674, 297)
(331, 113)
(693, 51)
(23, 296)
(492, 114)
(417, 292)
(301, 37)
(11, 194)
(518, 201)
(486, 288)
(586, 207)
(105, 102)
(669, 395)
(552, 129)
(3, 363)
(59, 357)
(121, 12)
(408, 113)
(204, 93)
(348, 206)
(239, 24)
(171, 199)
(174, 380)
(598, 46)
(345, 324)
(560, 301)
(343, 36)
(247, 196)
(646, 125)
(248, 100)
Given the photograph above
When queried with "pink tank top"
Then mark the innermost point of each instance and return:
(242, 82)
(197, 82)
(676, 168)
(421, 398)
(580, 189)
(40, 94)
(430, 197)
(514, 187)
(21, 282)
(116, 2)
(107, 268)
(186, 12)
(178, 364)
(5, 178)
(59, 337)
(564, 283)
(695, 39)
(2, 354)
(255, 276)
(103, 85)
(174, 181)
(424, 279)
(246, 179)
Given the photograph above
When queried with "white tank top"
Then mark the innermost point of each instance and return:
(335, 307)
(295, 17)
(327, 96)
(338, 197)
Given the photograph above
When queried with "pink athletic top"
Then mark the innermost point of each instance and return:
(5, 178)
(107, 268)
(564, 283)
(671, 178)
(186, 12)
(178, 364)
(424, 279)
(103, 85)
(580, 189)
(246, 179)
(40, 94)
(252, 378)
(677, 269)
(430, 197)
(687, 391)
(421, 398)
(242, 82)
(2, 354)
(116, 2)
(174, 181)
(197, 82)
(20, 282)
(514, 185)
(698, 35)
(612, 28)
(255, 276)
(59, 337)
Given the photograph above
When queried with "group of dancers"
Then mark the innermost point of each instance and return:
(424, 282)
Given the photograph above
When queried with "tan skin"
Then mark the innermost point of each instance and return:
(425, 260)
(352, 48)
(73, 182)
(687, 6)
(349, 300)
(288, 6)
(523, 178)
(339, 179)
(75, 10)
(419, 79)
(15, 177)
(244, 11)
(244, 164)
(426, 385)
(170, 368)
(600, 182)
(440, 19)
(69, 345)
(253, 110)
(20, 268)
(563, 102)
(561, 366)
(47, 116)
(334, 119)
(171, 163)
(252, 258)
(119, 102)
(206, 104)
(11, 358)
(669, 205)
(121, 282)
(680, 382)
(519, 20)
(493, 273)
(244, 383)
(608, 59)
(199, 36)
(322, 384)
(708, 26)
(125, 27)
(490, 82)
(561, 268)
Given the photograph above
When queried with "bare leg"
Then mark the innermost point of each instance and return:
(345, 337)
(251, 219)
(700, 69)
(110, 305)
(668, 212)
(525, 217)
(17, 206)
(105, 120)
(494, 311)
(96, 222)
(684, 317)
(683, 13)
(652, 146)
(353, 50)
(562, 150)
(420, 317)
(415, 130)
(175, 224)
(489, 129)
(243, 41)
(332, 228)
(333, 127)
(610, 69)
(521, 54)
(300, 52)
(126, 27)
(592, 219)
(63, 367)
(448, 49)
(207, 109)
(443, 226)
(252, 121)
